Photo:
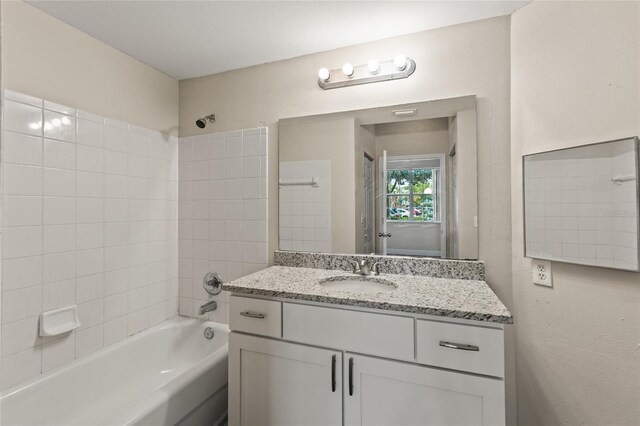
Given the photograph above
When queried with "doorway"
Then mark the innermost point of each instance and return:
(414, 204)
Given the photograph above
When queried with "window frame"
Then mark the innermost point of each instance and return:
(438, 195)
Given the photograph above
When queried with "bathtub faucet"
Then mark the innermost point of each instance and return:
(208, 307)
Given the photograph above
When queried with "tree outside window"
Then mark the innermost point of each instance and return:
(412, 195)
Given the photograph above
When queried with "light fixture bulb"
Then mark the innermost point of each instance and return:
(66, 121)
(56, 122)
(324, 74)
(374, 66)
(347, 69)
(400, 62)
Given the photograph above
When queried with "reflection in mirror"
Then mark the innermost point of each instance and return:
(581, 205)
(414, 207)
(370, 181)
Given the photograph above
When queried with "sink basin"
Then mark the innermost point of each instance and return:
(358, 284)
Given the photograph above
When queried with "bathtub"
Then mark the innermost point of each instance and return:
(169, 374)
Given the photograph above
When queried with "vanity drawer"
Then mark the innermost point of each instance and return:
(255, 316)
(383, 335)
(461, 347)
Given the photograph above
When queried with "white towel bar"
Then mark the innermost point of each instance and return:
(622, 178)
(299, 182)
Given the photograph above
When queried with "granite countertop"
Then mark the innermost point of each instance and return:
(446, 297)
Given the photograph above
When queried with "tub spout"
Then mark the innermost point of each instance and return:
(208, 307)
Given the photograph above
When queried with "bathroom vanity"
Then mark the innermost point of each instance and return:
(425, 350)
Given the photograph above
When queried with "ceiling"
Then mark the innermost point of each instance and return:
(186, 39)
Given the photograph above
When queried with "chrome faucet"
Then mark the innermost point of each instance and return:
(207, 307)
(366, 267)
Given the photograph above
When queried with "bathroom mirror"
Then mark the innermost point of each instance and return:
(581, 205)
(397, 180)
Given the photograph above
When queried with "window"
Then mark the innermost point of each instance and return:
(413, 189)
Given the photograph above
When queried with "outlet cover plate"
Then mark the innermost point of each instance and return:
(541, 270)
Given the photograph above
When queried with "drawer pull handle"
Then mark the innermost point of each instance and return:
(333, 373)
(460, 346)
(350, 376)
(250, 314)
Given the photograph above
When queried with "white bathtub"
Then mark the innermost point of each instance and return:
(169, 374)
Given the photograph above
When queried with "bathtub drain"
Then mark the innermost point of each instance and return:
(208, 333)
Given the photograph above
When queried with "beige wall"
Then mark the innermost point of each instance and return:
(467, 59)
(413, 137)
(471, 164)
(326, 138)
(575, 80)
(47, 58)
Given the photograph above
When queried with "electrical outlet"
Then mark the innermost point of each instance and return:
(542, 272)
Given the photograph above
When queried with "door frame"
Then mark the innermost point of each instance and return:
(370, 206)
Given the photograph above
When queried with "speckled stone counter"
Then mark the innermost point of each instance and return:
(425, 266)
(446, 297)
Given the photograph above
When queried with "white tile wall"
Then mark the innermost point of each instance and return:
(222, 212)
(305, 211)
(575, 212)
(89, 217)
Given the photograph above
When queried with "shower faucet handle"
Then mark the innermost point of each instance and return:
(212, 283)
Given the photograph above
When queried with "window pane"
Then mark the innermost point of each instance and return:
(423, 191)
(398, 181)
(423, 181)
(398, 207)
(424, 208)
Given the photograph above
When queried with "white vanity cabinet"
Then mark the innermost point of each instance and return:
(386, 392)
(293, 363)
(273, 382)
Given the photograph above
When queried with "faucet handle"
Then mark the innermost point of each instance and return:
(212, 283)
(376, 268)
(356, 266)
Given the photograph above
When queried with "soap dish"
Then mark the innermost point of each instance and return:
(59, 321)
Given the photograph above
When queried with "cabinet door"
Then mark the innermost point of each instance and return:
(382, 392)
(278, 383)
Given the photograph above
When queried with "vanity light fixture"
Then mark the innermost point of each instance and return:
(400, 62)
(374, 71)
(324, 74)
(373, 66)
(347, 69)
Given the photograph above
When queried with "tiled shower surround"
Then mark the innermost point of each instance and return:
(222, 212)
(89, 217)
(305, 210)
